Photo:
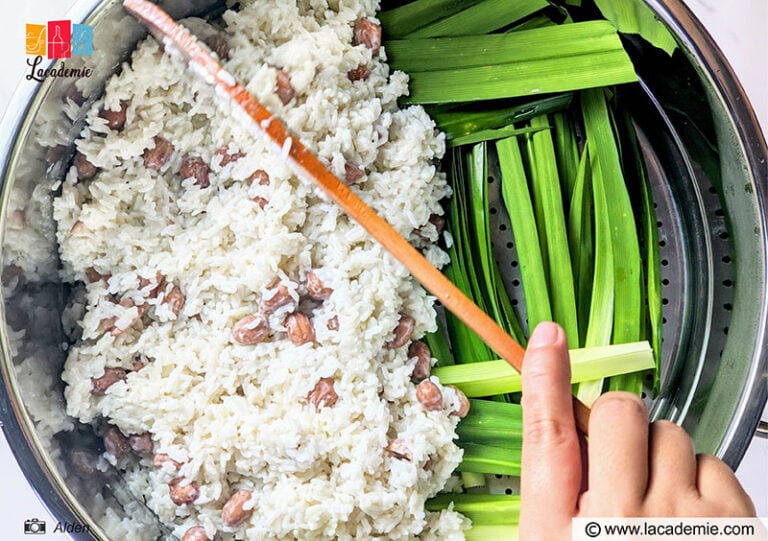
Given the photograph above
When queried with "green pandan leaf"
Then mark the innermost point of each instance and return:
(635, 17)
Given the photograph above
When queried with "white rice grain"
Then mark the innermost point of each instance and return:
(237, 417)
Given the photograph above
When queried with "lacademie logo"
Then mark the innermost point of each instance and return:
(58, 39)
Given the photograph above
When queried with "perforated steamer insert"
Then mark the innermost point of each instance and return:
(695, 254)
(697, 275)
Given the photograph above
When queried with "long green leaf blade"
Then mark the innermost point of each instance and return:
(500, 532)
(628, 310)
(470, 205)
(540, 44)
(638, 18)
(439, 347)
(485, 509)
(490, 284)
(487, 459)
(462, 123)
(481, 18)
(551, 219)
(466, 345)
(601, 311)
(478, 214)
(498, 424)
(402, 20)
(527, 78)
(498, 377)
(581, 242)
(517, 200)
(490, 135)
(650, 234)
(567, 149)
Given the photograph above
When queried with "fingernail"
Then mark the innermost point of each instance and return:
(545, 334)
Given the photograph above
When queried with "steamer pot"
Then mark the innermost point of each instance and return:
(704, 152)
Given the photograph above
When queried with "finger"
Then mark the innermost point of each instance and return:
(718, 486)
(618, 454)
(672, 465)
(551, 463)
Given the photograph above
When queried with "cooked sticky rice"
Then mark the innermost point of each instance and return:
(164, 267)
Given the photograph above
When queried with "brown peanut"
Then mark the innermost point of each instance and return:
(435, 220)
(85, 169)
(280, 296)
(54, 156)
(195, 167)
(463, 408)
(233, 512)
(73, 93)
(158, 287)
(111, 376)
(438, 221)
(12, 273)
(428, 394)
(403, 332)
(352, 173)
(219, 45)
(162, 458)
(226, 157)
(175, 300)
(137, 364)
(360, 73)
(251, 330)
(315, 287)
(115, 442)
(259, 176)
(157, 156)
(260, 201)
(141, 443)
(397, 449)
(299, 329)
(83, 462)
(195, 533)
(181, 493)
(115, 119)
(79, 229)
(285, 90)
(127, 302)
(17, 220)
(423, 367)
(368, 33)
(323, 394)
(92, 275)
(333, 324)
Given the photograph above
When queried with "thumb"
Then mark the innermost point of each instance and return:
(551, 460)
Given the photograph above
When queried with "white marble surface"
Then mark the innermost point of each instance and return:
(740, 27)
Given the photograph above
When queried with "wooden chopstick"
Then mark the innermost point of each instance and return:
(179, 40)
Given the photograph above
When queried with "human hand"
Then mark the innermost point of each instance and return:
(633, 469)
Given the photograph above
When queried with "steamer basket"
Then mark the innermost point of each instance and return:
(704, 152)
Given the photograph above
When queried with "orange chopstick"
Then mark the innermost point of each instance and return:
(177, 39)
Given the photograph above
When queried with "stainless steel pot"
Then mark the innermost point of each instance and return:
(704, 151)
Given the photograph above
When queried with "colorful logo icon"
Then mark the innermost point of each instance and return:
(59, 39)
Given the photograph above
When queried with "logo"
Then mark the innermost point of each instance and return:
(34, 526)
(56, 40)
(59, 39)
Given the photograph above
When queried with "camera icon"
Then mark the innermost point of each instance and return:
(34, 526)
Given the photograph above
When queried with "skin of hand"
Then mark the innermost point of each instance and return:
(633, 468)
